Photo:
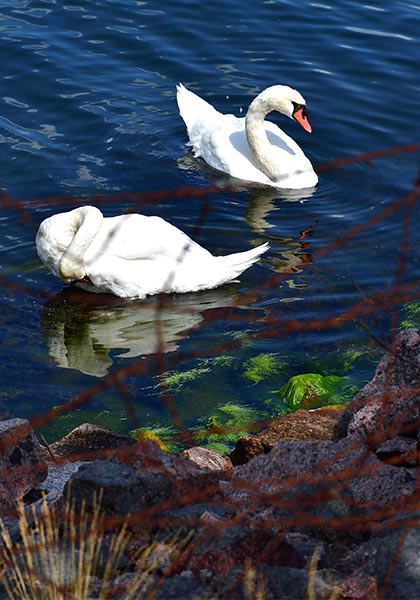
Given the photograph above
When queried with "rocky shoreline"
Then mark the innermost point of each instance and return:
(322, 504)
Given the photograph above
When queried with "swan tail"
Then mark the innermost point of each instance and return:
(235, 264)
(193, 109)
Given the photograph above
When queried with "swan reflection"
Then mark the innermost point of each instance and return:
(261, 202)
(82, 329)
(261, 198)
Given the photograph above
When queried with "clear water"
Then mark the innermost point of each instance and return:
(88, 114)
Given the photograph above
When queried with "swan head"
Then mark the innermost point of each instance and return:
(71, 270)
(63, 240)
(286, 100)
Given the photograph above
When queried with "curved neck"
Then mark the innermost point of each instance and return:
(84, 224)
(264, 152)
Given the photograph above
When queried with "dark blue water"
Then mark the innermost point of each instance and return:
(88, 114)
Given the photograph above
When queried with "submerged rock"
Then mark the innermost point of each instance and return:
(207, 458)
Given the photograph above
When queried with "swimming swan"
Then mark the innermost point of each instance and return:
(250, 148)
(132, 256)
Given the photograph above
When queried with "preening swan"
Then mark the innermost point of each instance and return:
(250, 148)
(132, 256)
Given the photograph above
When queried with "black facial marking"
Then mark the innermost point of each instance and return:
(303, 107)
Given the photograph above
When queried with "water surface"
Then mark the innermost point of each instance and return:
(88, 114)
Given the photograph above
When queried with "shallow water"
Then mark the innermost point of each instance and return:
(88, 114)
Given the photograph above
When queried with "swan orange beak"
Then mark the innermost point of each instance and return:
(300, 116)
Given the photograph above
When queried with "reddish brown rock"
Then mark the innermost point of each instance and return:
(302, 425)
(389, 405)
(22, 465)
(359, 586)
(89, 441)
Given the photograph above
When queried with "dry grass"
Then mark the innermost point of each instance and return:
(60, 557)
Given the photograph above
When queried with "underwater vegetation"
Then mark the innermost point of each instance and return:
(263, 367)
(220, 381)
(225, 425)
(311, 390)
(411, 316)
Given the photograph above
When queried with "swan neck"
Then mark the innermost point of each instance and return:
(84, 224)
(261, 148)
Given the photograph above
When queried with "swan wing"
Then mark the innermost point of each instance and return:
(135, 237)
(217, 138)
(136, 255)
(224, 147)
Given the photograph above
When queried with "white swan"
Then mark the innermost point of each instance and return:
(250, 148)
(132, 256)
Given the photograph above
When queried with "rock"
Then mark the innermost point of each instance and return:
(389, 405)
(180, 587)
(247, 447)
(188, 477)
(359, 586)
(305, 425)
(226, 547)
(379, 487)
(207, 458)
(22, 465)
(120, 489)
(142, 475)
(399, 451)
(274, 583)
(53, 485)
(88, 441)
(128, 584)
(324, 479)
(395, 563)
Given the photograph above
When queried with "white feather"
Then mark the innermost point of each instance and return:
(132, 255)
(223, 140)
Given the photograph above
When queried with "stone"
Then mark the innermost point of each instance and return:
(22, 464)
(121, 489)
(399, 451)
(188, 477)
(52, 488)
(304, 425)
(359, 586)
(396, 563)
(179, 587)
(89, 441)
(281, 582)
(321, 478)
(129, 583)
(389, 405)
(207, 458)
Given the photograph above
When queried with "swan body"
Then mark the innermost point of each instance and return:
(132, 255)
(250, 148)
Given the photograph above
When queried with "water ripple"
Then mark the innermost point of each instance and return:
(88, 114)
(386, 34)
